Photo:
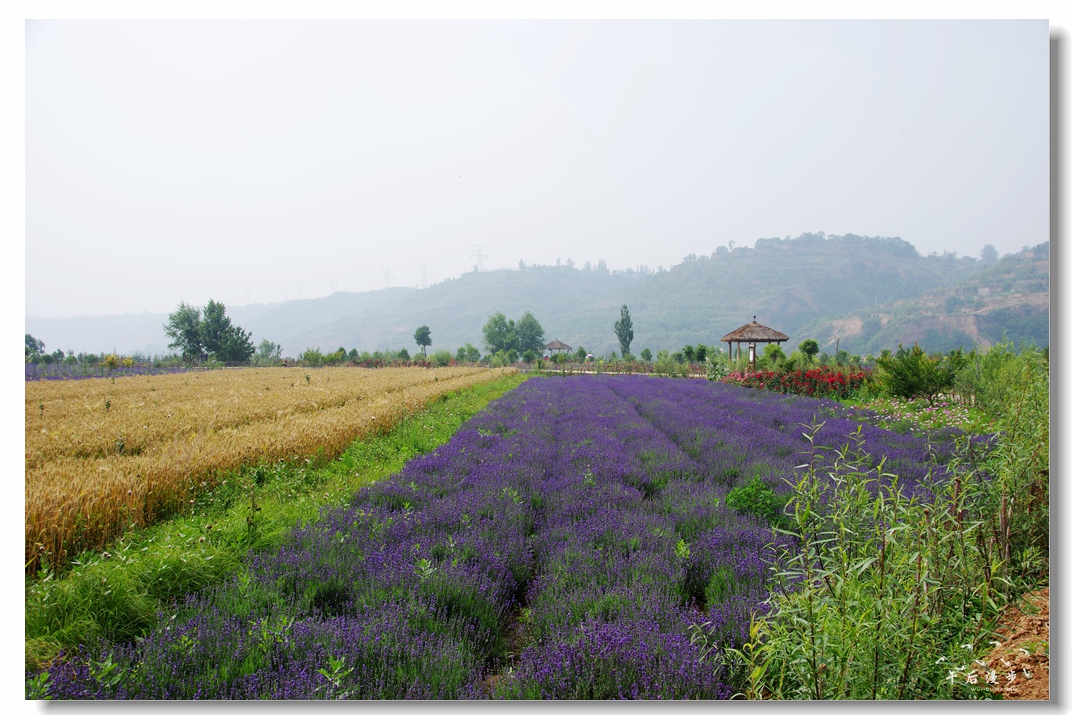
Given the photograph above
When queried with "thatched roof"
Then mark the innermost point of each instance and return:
(754, 333)
(557, 345)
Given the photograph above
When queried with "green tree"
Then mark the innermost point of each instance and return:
(989, 254)
(690, 354)
(268, 352)
(645, 355)
(529, 334)
(222, 340)
(209, 334)
(468, 353)
(184, 329)
(623, 328)
(809, 348)
(423, 337)
(774, 354)
(312, 357)
(500, 335)
(34, 348)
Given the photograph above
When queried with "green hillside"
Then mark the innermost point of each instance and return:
(785, 283)
(1008, 300)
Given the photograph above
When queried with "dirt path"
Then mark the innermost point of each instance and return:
(1019, 668)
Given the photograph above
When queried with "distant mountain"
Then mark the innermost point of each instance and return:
(785, 283)
(793, 285)
(1007, 300)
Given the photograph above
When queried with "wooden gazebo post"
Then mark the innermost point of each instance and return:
(751, 334)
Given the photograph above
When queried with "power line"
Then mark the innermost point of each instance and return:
(479, 255)
(386, 277)
(424, 277)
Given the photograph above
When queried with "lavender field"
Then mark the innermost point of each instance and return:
(561, 545)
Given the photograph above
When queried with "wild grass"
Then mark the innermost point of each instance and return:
(114, 594)
(879, 595)
(106, 456)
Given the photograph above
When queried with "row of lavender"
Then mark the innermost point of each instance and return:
(560, 546)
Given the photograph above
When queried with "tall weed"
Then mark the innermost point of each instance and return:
(882, 596)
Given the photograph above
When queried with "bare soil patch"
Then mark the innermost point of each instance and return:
(1019, 666)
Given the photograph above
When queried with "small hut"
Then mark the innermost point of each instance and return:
(557, 345)
(751, 334)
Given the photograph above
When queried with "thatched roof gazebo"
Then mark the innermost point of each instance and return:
(557, 345)
(751, 334)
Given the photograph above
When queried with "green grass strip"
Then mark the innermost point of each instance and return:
(115, 594)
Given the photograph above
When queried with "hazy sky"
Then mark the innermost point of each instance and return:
(254, 161)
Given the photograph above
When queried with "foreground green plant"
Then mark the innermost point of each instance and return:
(115, 594)
(1019, 501)
(878, 595)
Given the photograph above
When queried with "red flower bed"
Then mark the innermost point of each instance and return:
(817, 382)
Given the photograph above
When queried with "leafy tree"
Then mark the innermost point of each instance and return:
(701, 353)
(209, 334)
(441, 358)
(335, 357)
(623, 328)
(989, 254)
(468, 353)
(34, 348)
(529, 334)
(690, 353)
(774, 354)
(500, 335)
(403, 354)
(312, 356)
(423, 337)
(268, 352)
(645, 355)
(809, 348)
(184, 329)
(222, 340)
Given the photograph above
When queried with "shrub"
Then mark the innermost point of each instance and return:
(758, 499)
(667, 366)
(816, 382)
(717, 364)
(912, 373)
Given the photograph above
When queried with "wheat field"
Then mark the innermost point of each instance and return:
(105, 455)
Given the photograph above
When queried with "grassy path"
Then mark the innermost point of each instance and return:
(116, 594)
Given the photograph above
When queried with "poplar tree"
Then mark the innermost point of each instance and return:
(623, 328)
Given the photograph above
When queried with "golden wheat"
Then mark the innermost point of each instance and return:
(104, 455)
